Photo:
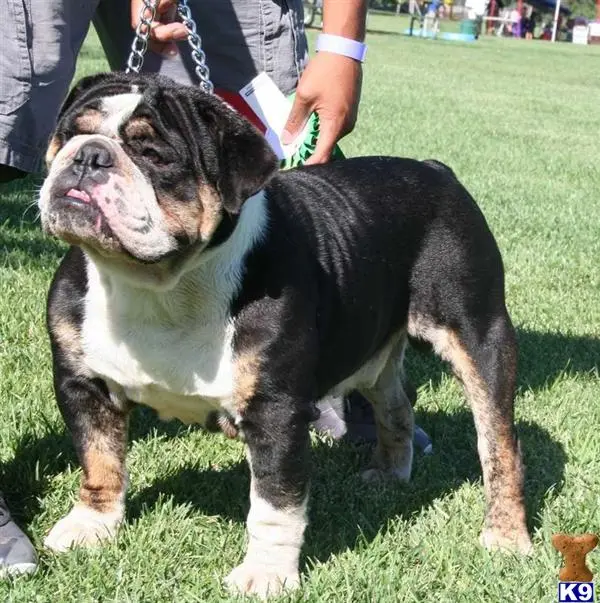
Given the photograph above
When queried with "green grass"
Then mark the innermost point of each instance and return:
(519, 124)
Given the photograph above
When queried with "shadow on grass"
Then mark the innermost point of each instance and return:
(343, 509)
(543, 357)
(15, 213)
(36, 251)
(22, 241)
(26, 478)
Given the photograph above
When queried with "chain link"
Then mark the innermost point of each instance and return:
(142, 32)
(195, 42)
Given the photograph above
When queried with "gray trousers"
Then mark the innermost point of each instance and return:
(40, 41)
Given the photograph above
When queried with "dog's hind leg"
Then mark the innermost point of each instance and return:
(483, 355)
(394, 420)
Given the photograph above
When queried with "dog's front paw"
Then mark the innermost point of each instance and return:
(496, 540)
(262, 580)
(82, 526)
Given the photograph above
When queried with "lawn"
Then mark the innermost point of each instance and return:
(519, 123)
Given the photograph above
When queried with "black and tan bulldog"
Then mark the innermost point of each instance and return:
(204, 283)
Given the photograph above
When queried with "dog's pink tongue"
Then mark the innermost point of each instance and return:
(78, 194)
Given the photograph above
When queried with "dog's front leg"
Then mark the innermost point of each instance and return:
(276, 432)
(99, 429)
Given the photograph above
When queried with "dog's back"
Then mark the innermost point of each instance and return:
(382, 236)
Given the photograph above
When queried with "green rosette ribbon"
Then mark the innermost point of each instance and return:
(308, 146)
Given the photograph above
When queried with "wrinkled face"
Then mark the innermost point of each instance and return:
(143, 171)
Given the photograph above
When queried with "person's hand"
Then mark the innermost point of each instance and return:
(330, 85)
(165, 29)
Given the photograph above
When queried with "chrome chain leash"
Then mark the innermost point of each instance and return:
(195, 42)
(140, 41)
(142, 33)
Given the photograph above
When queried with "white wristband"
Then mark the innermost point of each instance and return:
(340, 45)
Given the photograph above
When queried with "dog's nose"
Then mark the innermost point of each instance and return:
(92, 156)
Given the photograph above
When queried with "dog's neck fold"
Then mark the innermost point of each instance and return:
(204, 278)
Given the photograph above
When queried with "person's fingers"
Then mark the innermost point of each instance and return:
(301, 110)
(165, 5)
(330, 131)
(168, 32)
(165, 30)
(166, 10)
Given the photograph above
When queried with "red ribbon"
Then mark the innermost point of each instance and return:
(240, 105)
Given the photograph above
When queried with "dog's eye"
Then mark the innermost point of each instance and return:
(152, 155)
(146, 148)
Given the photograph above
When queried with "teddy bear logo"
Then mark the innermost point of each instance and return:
(574, 550)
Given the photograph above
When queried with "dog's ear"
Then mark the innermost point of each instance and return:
(246, 159)
(232, 154)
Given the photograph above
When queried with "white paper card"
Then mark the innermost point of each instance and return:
(272, 108)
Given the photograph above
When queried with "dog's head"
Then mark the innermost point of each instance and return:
(143, 171)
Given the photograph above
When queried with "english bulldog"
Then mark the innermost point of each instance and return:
(203, 282)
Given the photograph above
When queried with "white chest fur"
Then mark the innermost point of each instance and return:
(171, 350)
(181, 369)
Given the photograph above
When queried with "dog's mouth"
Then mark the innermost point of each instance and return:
(78, 195)
(76, 217)
(116, 216)
(80, 201)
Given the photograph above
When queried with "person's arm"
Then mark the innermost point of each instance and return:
(346, 18)
(331, 83)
